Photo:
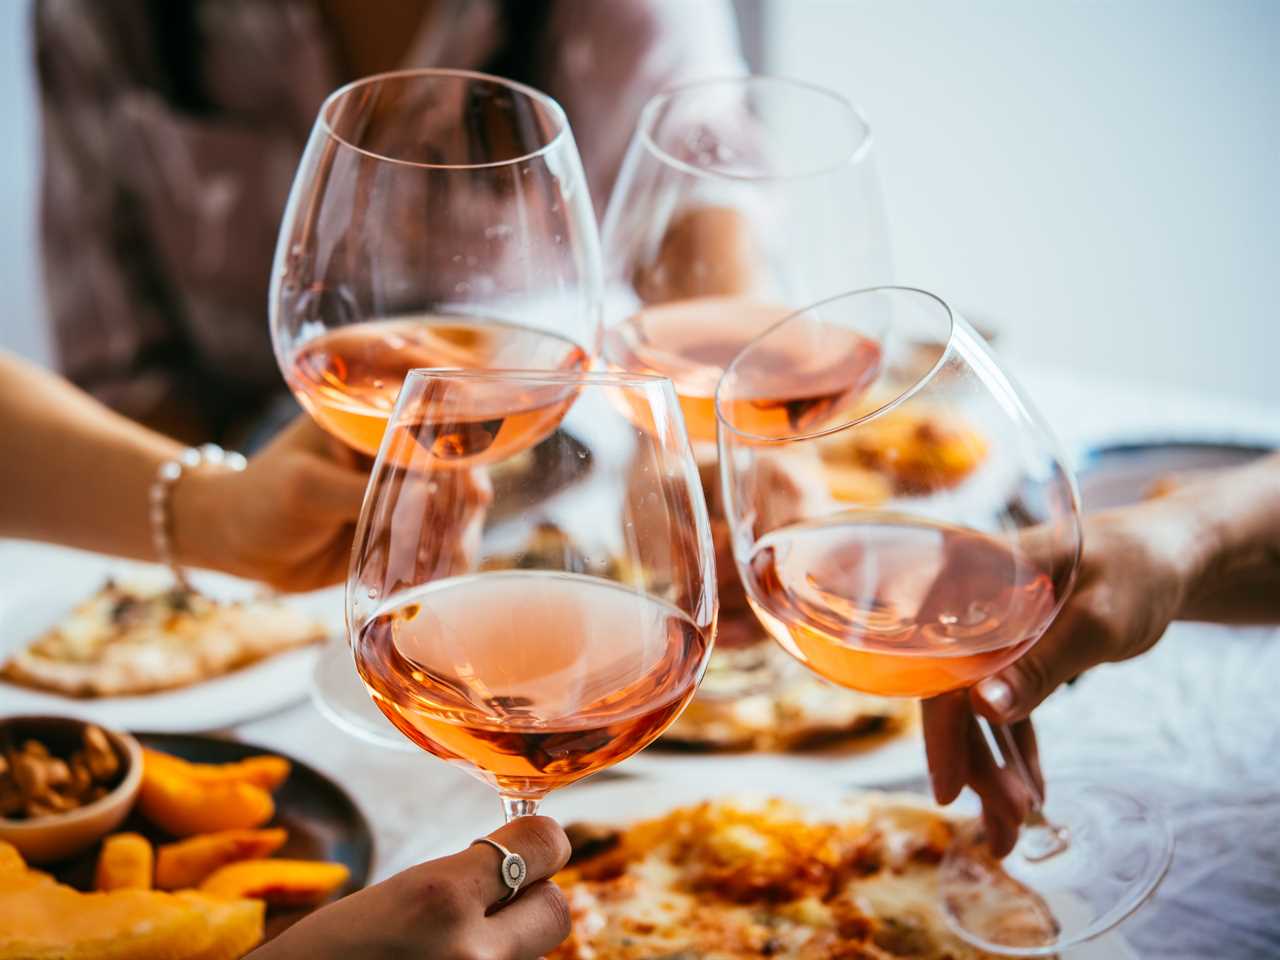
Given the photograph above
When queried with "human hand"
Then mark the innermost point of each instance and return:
(441, 516)
(445, 909)
(286, 520)
(1135, 572)
(707, 252)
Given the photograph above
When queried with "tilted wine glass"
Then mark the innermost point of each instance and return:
(739, 200)
(904, 526)
(566, 628)
(438, 218)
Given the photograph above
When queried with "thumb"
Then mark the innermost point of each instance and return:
(1075, 642)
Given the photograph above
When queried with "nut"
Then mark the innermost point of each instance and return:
(102, 759)
(34, 809)
(30, 775)
(35, 783)
(81, 776)
(57, 773)
(59, 802)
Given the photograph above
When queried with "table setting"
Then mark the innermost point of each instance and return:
(669, 526)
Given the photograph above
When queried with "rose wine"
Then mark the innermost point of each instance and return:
(895, 605)
(693, 341)
(531, 679)
(463, 423)
(349, 377)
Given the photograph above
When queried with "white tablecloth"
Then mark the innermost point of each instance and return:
(1195, 723)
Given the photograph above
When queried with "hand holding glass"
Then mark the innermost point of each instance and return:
(944, 584)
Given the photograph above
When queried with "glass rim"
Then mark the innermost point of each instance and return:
(543, 99)
(657, 101)
(615, 378)
(922, 381)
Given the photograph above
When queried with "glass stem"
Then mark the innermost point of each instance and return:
(1041, 838)
(513, 807)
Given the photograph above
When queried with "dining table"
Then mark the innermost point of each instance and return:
(1193, 725)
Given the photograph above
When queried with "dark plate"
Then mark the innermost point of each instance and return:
(323, 822)
(1118, 475)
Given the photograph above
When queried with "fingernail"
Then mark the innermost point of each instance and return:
(939, 794)
(997, 694)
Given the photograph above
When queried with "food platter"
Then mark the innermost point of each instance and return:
(43, 583)
(619, 801)
(322, 821)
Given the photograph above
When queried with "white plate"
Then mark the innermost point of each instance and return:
(42, 583)
(624, 800)
(875, 762)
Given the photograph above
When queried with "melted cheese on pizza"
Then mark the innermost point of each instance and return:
(129, 640)
(727, 880)
(759, 698)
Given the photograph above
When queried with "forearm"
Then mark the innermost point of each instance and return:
(1237, 514)
(73, 471)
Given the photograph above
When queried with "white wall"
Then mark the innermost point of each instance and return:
(21, 328)
(1101, 179)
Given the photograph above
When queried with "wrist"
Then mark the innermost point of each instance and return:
(194, 505)
(1237, 522)
(1202, 529)
(198, 504)
(1175, 543)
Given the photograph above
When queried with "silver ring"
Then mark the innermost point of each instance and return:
(513, 867)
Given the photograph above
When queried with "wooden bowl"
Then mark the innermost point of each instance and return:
(61, 835)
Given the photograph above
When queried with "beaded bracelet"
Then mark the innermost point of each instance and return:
(167, 477)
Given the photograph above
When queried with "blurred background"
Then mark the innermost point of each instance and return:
(1096, 180)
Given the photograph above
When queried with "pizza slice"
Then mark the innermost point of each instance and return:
(127, 640)
(731, 879)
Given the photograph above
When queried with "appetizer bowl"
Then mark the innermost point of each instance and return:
(54, 834)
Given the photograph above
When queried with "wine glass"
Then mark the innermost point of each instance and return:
(934, 537)
(739, 200)
(438, 218)
(572, 625)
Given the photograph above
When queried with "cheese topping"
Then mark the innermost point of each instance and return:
(733, 879)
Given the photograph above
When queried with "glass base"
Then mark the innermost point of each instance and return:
(1117, 851)
(339, 694)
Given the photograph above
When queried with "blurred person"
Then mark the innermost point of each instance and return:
(78, 474)
(1208, 550)
(172, 130)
